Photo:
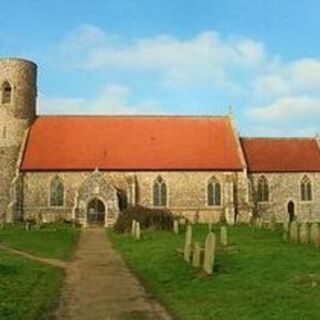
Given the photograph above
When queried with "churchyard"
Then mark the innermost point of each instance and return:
(30, 289)
(259, 272)
(250, 272)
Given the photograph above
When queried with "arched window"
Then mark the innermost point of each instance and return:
(263, 190)
(214, 192)
(306, 189)
(6, 92)
(56, 192)
(159, 193)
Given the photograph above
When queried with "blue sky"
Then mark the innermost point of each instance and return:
(174, 57)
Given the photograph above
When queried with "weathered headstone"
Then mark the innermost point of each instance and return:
(315, 235)
(27, 226)
(138, 231)
(133, 228)
(272, 222)
(196, 255)
(209, 252)
(210, 226)
(176, 226)
(286, 226)
(293, 232)
(188, 244)
(304, 234)
(224, 235)
(259, 223)
(285, 231)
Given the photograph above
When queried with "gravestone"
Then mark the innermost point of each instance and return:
(293, 232)
(133, 228)
(188, 244)
(196, 255)
(138, 231)
(304, 234)
(272, 222)
(209, 252)
(315, 235)
(176, 226)
(224, 235)
(285, 231)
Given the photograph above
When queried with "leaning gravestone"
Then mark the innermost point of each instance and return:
(133, 228)
(224, 236)
(176, 226)
(138, 231)
(303, 234)
(196, 255)
(209, 252)
(315, 235)
(293, 232)
(188, 244)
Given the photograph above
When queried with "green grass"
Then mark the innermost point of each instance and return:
(51, 241)
(257, 277)
(28, 290)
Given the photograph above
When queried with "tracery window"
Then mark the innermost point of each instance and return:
(159, 193)
(6, 92)
(56, 192)
(214, 192)
(306, 189)
(263, 190)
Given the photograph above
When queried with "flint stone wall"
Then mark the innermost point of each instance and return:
(186, 191)
(285, 187)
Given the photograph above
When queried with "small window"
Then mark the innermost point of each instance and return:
(56, 192)
(159, 193)
(6, 92)
(263, 189)
(306, 189)
(214, 192)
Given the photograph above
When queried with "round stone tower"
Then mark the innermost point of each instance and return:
(18, 92)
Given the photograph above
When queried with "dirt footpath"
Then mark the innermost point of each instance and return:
(98, 285)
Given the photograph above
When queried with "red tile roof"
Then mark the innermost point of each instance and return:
(131, 143)
(281, 154)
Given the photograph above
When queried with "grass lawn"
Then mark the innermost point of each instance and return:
(28, 289)
(51, 241)
(257, 277)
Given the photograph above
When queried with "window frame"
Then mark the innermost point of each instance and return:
(304, 193)
(59, 182)
(160, 182)
(6, 85)
(263, 181)
(213, 180)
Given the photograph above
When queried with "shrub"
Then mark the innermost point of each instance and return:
(160, 219)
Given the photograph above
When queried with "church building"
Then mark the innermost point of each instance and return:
(88, 169)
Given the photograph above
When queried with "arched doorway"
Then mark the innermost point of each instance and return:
(96, 212)
(291, 210)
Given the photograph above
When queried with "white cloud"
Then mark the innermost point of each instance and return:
(287, 109)
(207, 57)
(113, 99)
(298, 77)
(236, 68)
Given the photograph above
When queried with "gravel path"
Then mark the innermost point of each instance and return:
(98, 285)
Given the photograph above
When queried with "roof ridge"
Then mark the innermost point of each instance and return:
(277, 138)
(127, 116)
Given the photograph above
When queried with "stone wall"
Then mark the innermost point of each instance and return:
(186, 191)
(285, 187)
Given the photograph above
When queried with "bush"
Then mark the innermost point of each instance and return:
(160, 219)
